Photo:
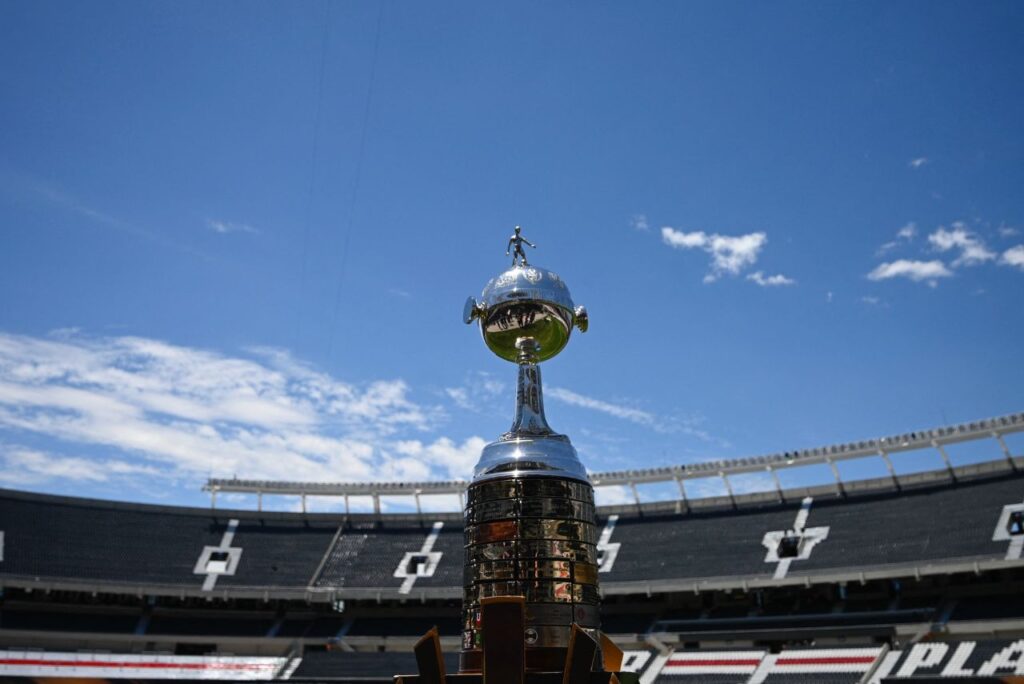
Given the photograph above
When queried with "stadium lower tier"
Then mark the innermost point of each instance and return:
(875, 665)
(871, 612)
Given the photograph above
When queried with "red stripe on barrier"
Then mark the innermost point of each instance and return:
(136, 665)
(828, 660)
(735, 662)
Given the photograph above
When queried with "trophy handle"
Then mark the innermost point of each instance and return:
(471, 310)
(581, 319)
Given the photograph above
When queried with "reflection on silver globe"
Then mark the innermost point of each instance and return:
(526, 302)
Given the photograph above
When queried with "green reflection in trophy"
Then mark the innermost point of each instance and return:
(526, 303)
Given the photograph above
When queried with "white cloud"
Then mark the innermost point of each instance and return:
(147, 405)
(904, 234)
(25, 185)
(639, 222)
(729, 254)
(770, 281)
(23, 466)
(1008, 231)
(914, 270)
(685, 424)
(873, 301)
(477, 393)
(616, 410)
(28, 466)
(1014, 257)
(680, 240)
(223, 227)
(972, 249)
(613, 495)
(918, 162)
(907, 232)
(454, 460)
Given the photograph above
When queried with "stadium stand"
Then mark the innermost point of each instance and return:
(357, 557)
(73, 541)
(882, 580)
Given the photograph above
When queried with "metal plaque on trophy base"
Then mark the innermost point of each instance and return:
(531, 605)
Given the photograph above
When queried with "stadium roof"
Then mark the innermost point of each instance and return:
(935, 438)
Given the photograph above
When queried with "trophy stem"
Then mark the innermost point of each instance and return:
(530, 419)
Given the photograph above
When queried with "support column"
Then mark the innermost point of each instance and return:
(945, 459)
(835, 473)
(892, 471)
(778, 483)
(728, 487)
(1006, 450)
(682, 493)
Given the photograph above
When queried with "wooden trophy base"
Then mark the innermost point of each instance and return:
(503, 656)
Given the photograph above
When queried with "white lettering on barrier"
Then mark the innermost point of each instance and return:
(955, 666)
(922, 656)
(1010, 657)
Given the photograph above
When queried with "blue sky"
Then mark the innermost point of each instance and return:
(235, 238)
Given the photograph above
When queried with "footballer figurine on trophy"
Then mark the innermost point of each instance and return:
(530, 609)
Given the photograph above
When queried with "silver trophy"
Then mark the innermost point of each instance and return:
(530, 528)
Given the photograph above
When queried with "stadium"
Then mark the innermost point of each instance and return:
(908, 577)
(244, 437)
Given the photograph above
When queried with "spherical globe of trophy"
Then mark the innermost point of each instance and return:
(531, 602)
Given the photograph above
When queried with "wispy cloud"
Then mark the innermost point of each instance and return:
(149, 405)
(903, 235)
(613, 495)
(929, 271)
(23, 466)
(688, 425)
(973, 250)
(477, 393)
(639, 222)
(967, 245)
(1008, 231)
(729, 254)
(617, 410)
(423, 460)
(56, 197)
(1014, 257)
(770, 281)
(918, 162)
(224, 227)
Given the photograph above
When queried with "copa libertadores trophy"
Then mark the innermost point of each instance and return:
(530, 609)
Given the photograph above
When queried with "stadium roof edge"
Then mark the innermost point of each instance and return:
(882, 486)
(935, 438)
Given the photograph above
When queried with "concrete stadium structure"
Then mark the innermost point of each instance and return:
(853, 575)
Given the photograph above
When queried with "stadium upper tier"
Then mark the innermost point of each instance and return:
(970, 518)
